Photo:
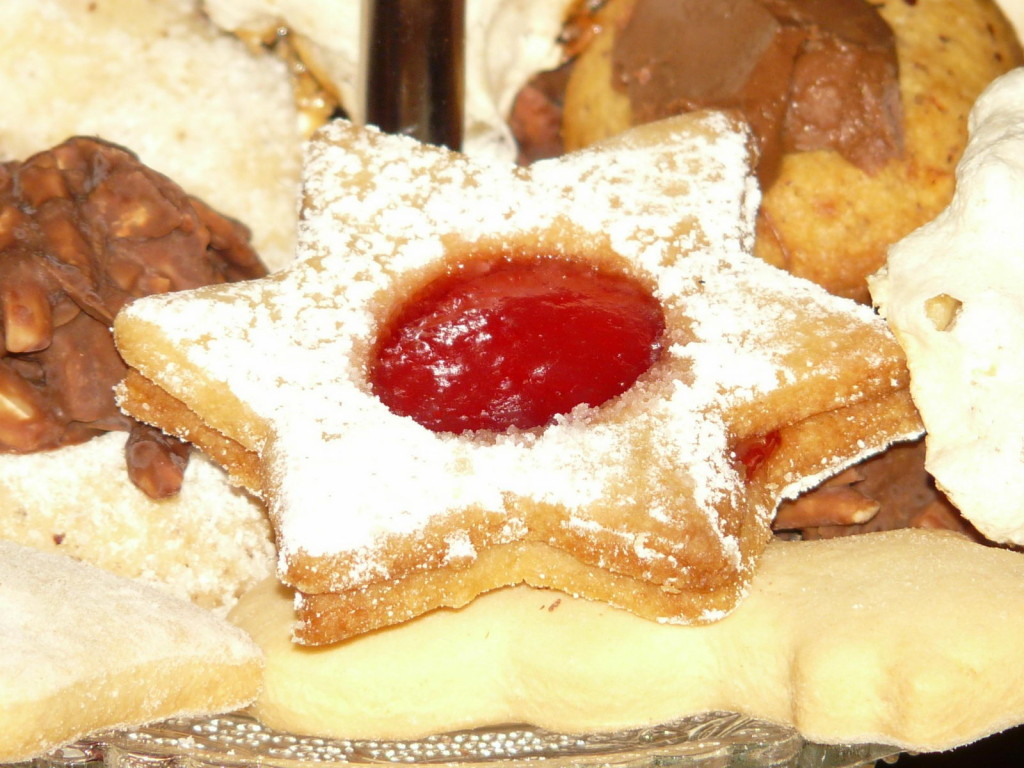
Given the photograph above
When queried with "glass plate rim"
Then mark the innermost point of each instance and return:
(237, 740)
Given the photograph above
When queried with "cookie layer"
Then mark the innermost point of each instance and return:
(82, 650)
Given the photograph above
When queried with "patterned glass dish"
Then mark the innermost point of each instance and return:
(707, 741)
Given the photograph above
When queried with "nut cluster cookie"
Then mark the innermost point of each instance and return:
(658, 499)
(85, 227)
(194, 103)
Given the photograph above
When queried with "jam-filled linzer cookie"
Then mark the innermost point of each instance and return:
(573, 375)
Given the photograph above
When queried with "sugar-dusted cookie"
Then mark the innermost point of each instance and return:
(897, 645)
(208, 543)
(83, 650)
(657, 498)
(953, 292)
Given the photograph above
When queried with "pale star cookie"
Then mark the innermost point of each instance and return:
(881, 638)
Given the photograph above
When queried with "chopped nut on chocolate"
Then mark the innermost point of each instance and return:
(889, 491)
(84, 229)
(835, 502)
(156, 461)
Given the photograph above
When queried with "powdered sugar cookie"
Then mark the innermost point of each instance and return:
(658, 499)
(82, 650)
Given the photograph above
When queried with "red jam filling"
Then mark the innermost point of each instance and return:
(752, 452)
(511, 342)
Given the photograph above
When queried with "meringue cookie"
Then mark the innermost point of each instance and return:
(953, 292)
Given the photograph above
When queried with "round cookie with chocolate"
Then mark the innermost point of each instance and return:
(860, 109)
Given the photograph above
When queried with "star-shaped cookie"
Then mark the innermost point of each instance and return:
(658, 500)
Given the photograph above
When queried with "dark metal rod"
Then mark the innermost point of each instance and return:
(415, 68)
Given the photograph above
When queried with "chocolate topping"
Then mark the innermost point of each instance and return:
(806, 75)
(894, 485)
(84, 229)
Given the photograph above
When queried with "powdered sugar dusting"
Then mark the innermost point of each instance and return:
(43, 594)
(208, 544)
(677, 209)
